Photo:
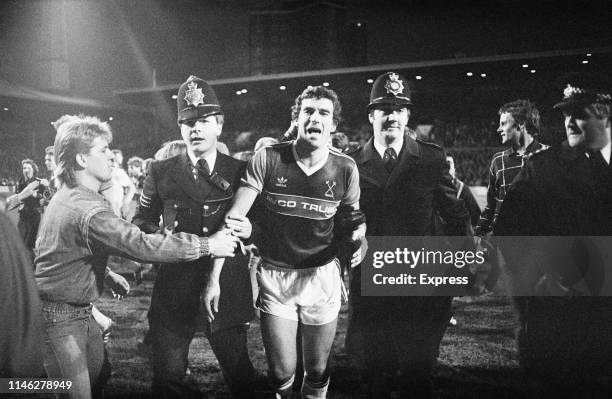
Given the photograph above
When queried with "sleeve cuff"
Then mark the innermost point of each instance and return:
(204, 247)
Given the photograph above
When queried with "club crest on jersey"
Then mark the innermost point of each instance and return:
(281, 182)
(194, 95)
(330, 185)
(394, 85)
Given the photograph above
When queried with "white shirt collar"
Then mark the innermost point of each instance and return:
(380, 149)
(210, 159)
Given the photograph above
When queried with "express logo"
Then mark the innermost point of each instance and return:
(330, 185)
(281, 182)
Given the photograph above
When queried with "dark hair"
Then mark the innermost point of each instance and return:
(28, 161)
(525, 113)
(317, 92)
(76, 136)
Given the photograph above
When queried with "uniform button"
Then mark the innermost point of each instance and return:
(204, 229)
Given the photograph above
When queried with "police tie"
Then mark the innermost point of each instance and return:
(390, 159)
(203, 168)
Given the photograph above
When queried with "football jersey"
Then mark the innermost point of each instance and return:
(300, 203)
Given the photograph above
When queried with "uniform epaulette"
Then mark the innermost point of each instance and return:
(428, 143)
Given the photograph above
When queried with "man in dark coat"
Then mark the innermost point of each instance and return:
(564, 338)
(404, 183)
(192, 192)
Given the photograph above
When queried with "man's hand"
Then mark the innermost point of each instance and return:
(360, 253)
(210, 297)
(118, 284)
(239, 225)
(359, 232)
(222, 244)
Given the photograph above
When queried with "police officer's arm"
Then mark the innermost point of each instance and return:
(451, 208)
(150, 205)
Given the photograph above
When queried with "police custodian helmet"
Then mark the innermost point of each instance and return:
(196, 99)
(390, 88)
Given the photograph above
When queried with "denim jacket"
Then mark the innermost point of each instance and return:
(77, 234)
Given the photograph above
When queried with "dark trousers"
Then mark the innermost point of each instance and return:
(403, 336)
(170, 353)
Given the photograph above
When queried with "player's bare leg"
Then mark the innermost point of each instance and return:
(279, 340)
(317, 341)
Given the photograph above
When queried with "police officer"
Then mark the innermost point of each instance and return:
(191, 192)
(404, 183)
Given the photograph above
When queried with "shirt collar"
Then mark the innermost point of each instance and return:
(380, 149)
(210, 160)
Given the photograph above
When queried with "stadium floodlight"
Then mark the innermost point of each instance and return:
(469, 74)
(533, 71)
(174, 96)
(483, 75)
(585, 61)
(283, 87)
(418, 77)
(370, 81)
(525, 65)
(326, 84)
(589, 54)
(244, 91)
(238, 92)
(110, 118)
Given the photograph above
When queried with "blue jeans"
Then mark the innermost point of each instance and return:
(74, 348)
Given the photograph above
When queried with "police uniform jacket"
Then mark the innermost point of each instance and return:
(560, 193)
(404, 203)
(199, 206)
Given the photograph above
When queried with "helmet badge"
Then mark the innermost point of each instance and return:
(194, 95)
(394, 84)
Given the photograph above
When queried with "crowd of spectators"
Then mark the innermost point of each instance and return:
(472, 142)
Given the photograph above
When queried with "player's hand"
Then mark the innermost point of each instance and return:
(118, 284)
(222, 244)
(239, 225)
(356, 258)
(210, 298)
(359, 232)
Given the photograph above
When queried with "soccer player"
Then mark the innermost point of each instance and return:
(305, 187)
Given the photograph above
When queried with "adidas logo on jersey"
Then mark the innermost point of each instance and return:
(281, 182)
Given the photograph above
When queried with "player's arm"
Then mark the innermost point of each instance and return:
(451, 208)
(486, 217)
(251, 186)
